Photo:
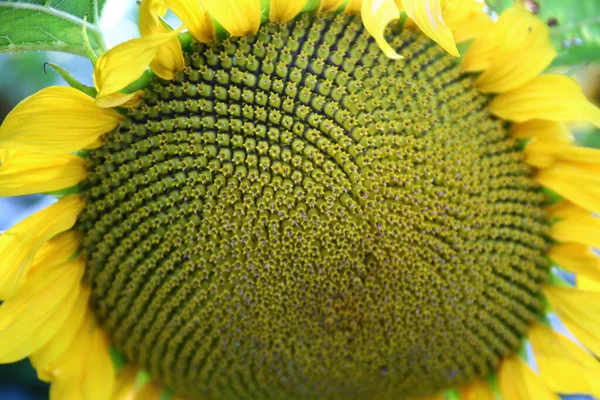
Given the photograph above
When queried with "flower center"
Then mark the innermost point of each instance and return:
(297, 216)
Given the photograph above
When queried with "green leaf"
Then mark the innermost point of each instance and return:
(49, 25)
(574, 29)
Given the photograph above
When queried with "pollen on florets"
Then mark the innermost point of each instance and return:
(297, 216)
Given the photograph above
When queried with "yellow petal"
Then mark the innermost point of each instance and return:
(508, 31)
(238, 17)
(85, 370)
(575, 226)
(56, 120)
(117, 99)
(376, 15)
(577, 258)
(586, 283)
(169, 58)
(580, 311)
(328, 5)
(478, 390)
(58, 250)
(518, 382)
(98, 371)
(550, 97)
(195, 18)
(478, 23)
(285, 10)
(31, 318)
(542, 131)
(27, 173)
(18, 244)
(44, 360)
(564, 366)
(546, 153)
(427, 14)
(126, 62)
(577, 182)
(466, 18)
(512, 66)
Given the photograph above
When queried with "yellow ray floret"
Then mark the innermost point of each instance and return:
(56, 120)
(575, 225)
(543, 131)
(578, 182)
(517, 381)
(466, 18)
(195, 18)
(238, 17)
(516, 62)
(285, 10)
(577, 258)
(86, 371)
(45, 359)
(580, 312)
(478, 390)
(30, 319)
(23, 172)
(376, 15)
(169, 57)
(427, 14)
(508, 33)
(19, 244)
(125, 63)
(564, 366)
(550, 97)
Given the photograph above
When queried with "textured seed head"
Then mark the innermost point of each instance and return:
(297, 216)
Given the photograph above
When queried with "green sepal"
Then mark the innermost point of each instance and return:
(142, 378)
(463, 47)
(86, 41)
(452, 395)
(552, 196)
(117, 358)
(311, 6)
(65, 192)
(492, 380)
(141, 83)
(522, 143)
(167, 394)
(71, 80)
(342, 7)
(185, 39)
(265, 9)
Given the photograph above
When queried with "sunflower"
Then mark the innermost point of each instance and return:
(307, 199)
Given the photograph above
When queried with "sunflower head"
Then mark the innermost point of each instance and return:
(305, 200)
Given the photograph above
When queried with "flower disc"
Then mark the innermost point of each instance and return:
(297, 216)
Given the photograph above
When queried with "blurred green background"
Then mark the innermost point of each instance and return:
(22, 74)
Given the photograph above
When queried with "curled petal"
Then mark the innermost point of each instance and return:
(427, 14)
(56, 120)
(376, 15)
(125, 63)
